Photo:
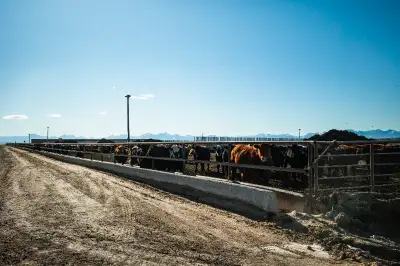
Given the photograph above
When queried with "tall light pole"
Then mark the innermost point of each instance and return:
(29, 138)
(47, 134)
(299, 132)
(127, 112)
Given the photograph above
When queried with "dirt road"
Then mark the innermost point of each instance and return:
(55, 213)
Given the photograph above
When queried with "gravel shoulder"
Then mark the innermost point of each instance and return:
(53, 213)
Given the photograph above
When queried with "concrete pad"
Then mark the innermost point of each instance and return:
(287, 200)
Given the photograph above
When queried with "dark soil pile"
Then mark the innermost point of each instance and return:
(339, 135)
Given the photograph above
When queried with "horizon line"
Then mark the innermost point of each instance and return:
(191, 135)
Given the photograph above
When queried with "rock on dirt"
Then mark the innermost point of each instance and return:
(333, 235)
(342, 219)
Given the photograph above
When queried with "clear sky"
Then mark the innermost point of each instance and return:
(222, 67)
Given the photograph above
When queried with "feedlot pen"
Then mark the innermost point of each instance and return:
(56, 212)
(320, 167)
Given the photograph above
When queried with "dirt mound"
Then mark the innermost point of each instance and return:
(339, 135)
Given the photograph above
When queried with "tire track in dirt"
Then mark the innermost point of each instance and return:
(85, 215)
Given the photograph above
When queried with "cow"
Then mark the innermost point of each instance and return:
(254, 155)
(222, 155)
(141, 150)
(219, 152)
(178, 152)
(164, 151)
(79, 151)
(82, 149)
(62, 148)
(121, 154)
(297, 157)
(201, 153)
(37, 147)
(290, 156)
(105, 148)
(92, 148)
(155, 151)
(135, 150)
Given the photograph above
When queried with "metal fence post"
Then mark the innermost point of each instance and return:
(372, 166)
(310, 167)
(310, 152)
(315, 168)
(229, 167)
(183, 157)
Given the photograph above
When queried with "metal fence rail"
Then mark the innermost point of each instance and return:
(227, 142)
(357, 167)
(214, 139)
(325, 171)
(46, 147)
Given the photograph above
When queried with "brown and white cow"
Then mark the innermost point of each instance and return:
(121, 154)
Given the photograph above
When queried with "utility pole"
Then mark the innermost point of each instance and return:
(127, 112)
(47, 134)
(29, 138)
(299, 132)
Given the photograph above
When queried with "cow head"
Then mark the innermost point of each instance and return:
(219, 150)
(136, 150)
(195, 150)
(290, 153)
(174, 151)
(121, 149)
(264, 153)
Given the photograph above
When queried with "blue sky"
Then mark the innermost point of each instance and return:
(223, 67)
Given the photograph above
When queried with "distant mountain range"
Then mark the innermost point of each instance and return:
(378, 134)
(372, 134)
(375, 134)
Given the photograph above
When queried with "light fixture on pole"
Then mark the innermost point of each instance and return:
(127, 112)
